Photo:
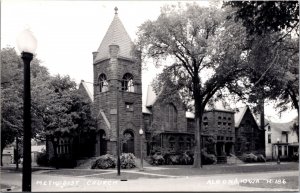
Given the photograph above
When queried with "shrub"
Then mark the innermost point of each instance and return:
(156, 159)
(104, 162)
(185, 159)
(174, 159)
(208, 158)
(249, 158)
(63, 161)
(42, 159)
(127, 160)
(261, 158)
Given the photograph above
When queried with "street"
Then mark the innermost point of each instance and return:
(149, 180)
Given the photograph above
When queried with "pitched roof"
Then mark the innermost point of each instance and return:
(281, 126)
(238, 116)
(115, 35)
(151, 96)
(86, 89)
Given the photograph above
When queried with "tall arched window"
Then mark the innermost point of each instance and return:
(127, 83)
(170, 113)
(103, 84)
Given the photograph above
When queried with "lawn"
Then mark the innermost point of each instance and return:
(70, 172)
(223, 169)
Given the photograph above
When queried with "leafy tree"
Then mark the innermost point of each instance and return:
(262, 17)
(65, 111)
(207, 51)
(12, 95)
(273, 37)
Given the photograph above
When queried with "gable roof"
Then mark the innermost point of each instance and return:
(238, 116)
(151, 96)
(115, 35)
(85, 88)
(281, 126)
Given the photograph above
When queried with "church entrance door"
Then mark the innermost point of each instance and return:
(128, 142)
(103, 143)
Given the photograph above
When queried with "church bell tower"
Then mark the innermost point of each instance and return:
(117, 91)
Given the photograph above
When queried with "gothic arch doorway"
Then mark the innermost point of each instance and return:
(128, 142)
(103, 142)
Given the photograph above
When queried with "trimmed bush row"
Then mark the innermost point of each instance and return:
(179, 159)
(109, 161)
(250, 158)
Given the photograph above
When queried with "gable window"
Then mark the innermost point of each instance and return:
(103, 84)
(127, 83)
(269, 128)
(170, 114)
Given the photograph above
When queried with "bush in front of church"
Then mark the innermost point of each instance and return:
(104, 162)
(127, 161)
(156, 159)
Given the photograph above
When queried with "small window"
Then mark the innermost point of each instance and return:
(219, 117)
(229, 124)
(224, 118)
(205, 118)
(205, 124)
(269, 128)
(229, 118)
(224, 123)
(269, 138)
(229, 129)
(129, 106)
(219, 123)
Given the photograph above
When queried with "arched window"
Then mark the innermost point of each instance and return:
(127, 83)
(170, 114)
(103, 84)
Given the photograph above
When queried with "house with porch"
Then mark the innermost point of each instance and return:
(281, 141)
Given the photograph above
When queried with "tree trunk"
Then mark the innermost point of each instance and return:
(2, 148)
(262, 119)
(197, 153)
(17, 153)
(198, 119)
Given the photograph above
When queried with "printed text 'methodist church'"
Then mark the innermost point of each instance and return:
(118, 87)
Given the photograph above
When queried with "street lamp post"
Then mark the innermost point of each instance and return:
(141, 132)
(27, 44)
(278, 156)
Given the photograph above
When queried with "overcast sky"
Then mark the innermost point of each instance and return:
(69, 31)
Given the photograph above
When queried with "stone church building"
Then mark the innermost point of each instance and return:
(117, 104)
